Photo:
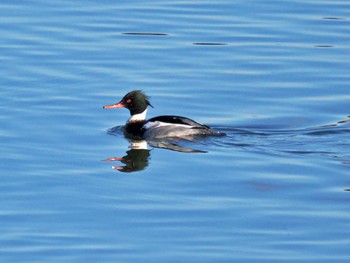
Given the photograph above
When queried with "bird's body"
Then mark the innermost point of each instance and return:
(165, 126)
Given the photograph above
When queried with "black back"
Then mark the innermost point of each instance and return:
(178, 120)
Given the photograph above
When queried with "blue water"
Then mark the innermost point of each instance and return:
(273, 75)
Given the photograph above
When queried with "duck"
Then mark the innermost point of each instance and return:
(165, 126)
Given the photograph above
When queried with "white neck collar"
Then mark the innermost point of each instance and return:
(138, 117)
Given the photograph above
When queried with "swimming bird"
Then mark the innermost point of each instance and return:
(165, 126)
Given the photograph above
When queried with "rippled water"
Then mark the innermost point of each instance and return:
(272, 75)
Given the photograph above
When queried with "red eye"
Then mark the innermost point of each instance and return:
(128, 100)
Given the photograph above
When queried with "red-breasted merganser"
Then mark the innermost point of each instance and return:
(158, 127)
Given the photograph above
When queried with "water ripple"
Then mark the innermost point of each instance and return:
(272, 75)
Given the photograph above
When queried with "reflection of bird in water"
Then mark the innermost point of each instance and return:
(137, 127)
(134, 160)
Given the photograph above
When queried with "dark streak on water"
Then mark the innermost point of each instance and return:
(209, 44)
(324, 46)
(334, 18)
(145, 34)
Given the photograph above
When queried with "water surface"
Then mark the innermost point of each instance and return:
(273, 76)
